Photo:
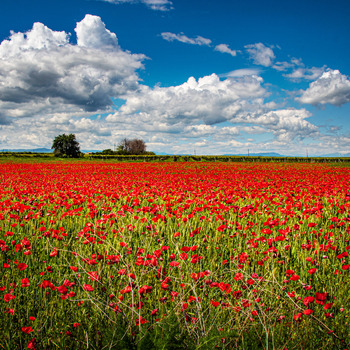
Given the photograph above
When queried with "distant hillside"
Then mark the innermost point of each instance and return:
(39, 150)
(263, 154)
(268, 154)
(337, 155)
(34, 150)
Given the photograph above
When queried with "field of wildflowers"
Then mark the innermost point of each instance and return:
(174, 256)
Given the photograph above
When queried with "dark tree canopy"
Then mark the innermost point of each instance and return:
(66, 145)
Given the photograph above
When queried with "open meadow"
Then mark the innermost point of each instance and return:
(176, 255)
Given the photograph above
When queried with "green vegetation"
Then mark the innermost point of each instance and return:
(66, 146)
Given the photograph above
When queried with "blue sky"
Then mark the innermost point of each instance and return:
(211, 77)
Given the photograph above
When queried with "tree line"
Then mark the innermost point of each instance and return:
(68, 146)
(129, 147)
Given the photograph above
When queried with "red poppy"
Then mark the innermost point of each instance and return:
(22, 266)
(238, 276)
(25, 282)
(307, 312)
(321, 298)
(27, 329)
(87, 287)
(298, 316)
(328, 306)
(214, 303)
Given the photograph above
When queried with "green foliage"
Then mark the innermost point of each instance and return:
(166, 335)
(66, 146)
(108, 151)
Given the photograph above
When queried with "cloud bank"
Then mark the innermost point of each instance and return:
(331, 87)
(50, 84)
(42, 72)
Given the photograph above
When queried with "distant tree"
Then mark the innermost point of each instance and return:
(137, 146)
(66, 145)
(123, 147)
(108, 151)
(134, 146)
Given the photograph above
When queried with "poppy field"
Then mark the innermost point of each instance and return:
(178, 255)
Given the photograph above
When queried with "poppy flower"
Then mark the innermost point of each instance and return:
(8, 297)
(214, 303)
(321, 298)
(22, 266)
(328, 306)
(27, 330)
(307, 312)
(308, 300)
(25, 282)
(87, 287)
(238, 276)
(298, 316)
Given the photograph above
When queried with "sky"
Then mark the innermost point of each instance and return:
(186, 76)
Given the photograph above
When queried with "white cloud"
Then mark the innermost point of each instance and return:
(225, 49)
(39, 37)
(92, 33)
(331, 87)
(203, 130)
(305, 73)
(50, 84)
(242, 72)
(286, 124)
(209, 100)
(197, 109)
(282, 66)
(41, 72)
(298, 71)
(160, 5)
(261, 54)
(198, 40)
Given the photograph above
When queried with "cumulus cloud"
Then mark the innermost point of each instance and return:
(92, 33)
(261, 54)
(39, 37)
(160, 5)
(331, 87)
(41, 71)
(213, 109)
(225, 49)
(298, 71)
(209, 99)
(286, 124)
(305, 73)
(203, 130)
(198, 40)
(50, 84)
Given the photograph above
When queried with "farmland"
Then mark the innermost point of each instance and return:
(177, 255)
